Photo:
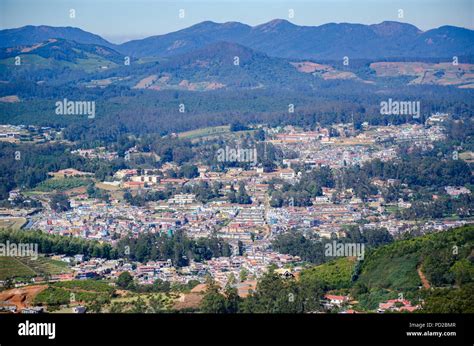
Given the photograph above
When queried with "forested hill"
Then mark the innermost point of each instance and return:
(445, 259)
(419, 268)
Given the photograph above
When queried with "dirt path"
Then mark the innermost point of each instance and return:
(423, 279)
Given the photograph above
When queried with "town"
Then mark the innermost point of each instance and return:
(245, 210)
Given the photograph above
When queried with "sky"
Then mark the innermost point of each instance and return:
(122, 20)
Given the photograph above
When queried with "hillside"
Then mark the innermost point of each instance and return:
(222, 65)
(57, 55)
(186, 40)
(441, 260)
(334, 274)
(30, 35)
(62, 50)
(445, 259)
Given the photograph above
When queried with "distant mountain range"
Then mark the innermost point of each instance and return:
(277, 38)
(210, 56)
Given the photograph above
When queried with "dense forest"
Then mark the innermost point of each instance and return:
(147, 247)
(49, 243)
(35, 161)
(311, 248)
(176, 246)
(122, 110)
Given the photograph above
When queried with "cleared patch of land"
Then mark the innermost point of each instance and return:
(21, 297)
(107, 187)
(461, 75)
(12, 222)
(310, 67)
(467, 156)
(325, 72)
(204, 132)
(146, 82)
(10, 99)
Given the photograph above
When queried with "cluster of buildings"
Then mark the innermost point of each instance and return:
(317, 149)
(248, 228)
(251, 226)
(31, 133)
(96, 153)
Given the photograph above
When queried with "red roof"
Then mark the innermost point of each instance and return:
(334, 297)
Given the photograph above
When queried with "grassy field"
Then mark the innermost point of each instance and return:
(93, 63)
(61, 184)
(213, 132)
(204, 132)
(12, 222)
(16, 267)
(107, 187)
(392, 209)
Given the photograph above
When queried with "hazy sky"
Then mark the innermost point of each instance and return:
(122, 20)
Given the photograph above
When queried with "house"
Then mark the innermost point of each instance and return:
(147, 179)
(456, 191)
(86, 275)
(62, 277)
(182, 198)
(398, 305)
(336, 300)
(134, 184)
(287, 174)
(120, 174)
